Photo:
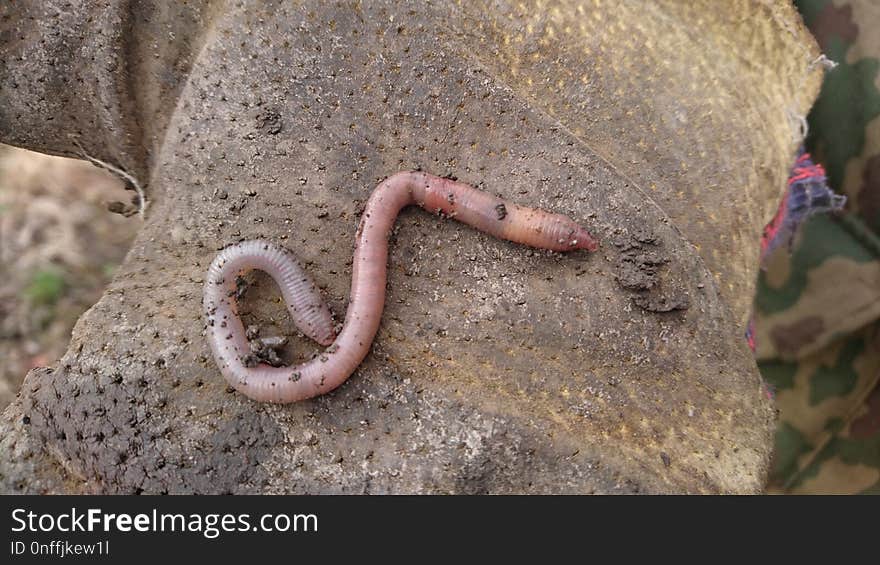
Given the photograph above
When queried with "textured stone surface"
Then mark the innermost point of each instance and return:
(664, 129)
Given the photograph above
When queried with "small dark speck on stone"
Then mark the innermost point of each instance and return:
(116, 207)
(665, 458)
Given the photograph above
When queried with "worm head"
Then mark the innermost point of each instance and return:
(582, 239)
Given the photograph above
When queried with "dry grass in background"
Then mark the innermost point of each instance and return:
(59, 245)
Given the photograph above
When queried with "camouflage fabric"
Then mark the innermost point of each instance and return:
(817, 309)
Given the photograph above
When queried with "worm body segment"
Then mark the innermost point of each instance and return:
(226, 334)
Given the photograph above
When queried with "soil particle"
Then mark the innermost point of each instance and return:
(637, 269)
(663, 302)
(263, 349)
(268, 121)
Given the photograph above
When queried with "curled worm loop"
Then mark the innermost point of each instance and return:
(226, 334)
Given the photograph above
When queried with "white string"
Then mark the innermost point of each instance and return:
(142, 201)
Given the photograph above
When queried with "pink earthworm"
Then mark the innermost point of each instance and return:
(329, 369)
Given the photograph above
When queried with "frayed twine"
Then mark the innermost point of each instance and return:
(799, 121)
(823, 60)
(133, 182)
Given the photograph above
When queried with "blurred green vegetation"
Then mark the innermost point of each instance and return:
(45, 287)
